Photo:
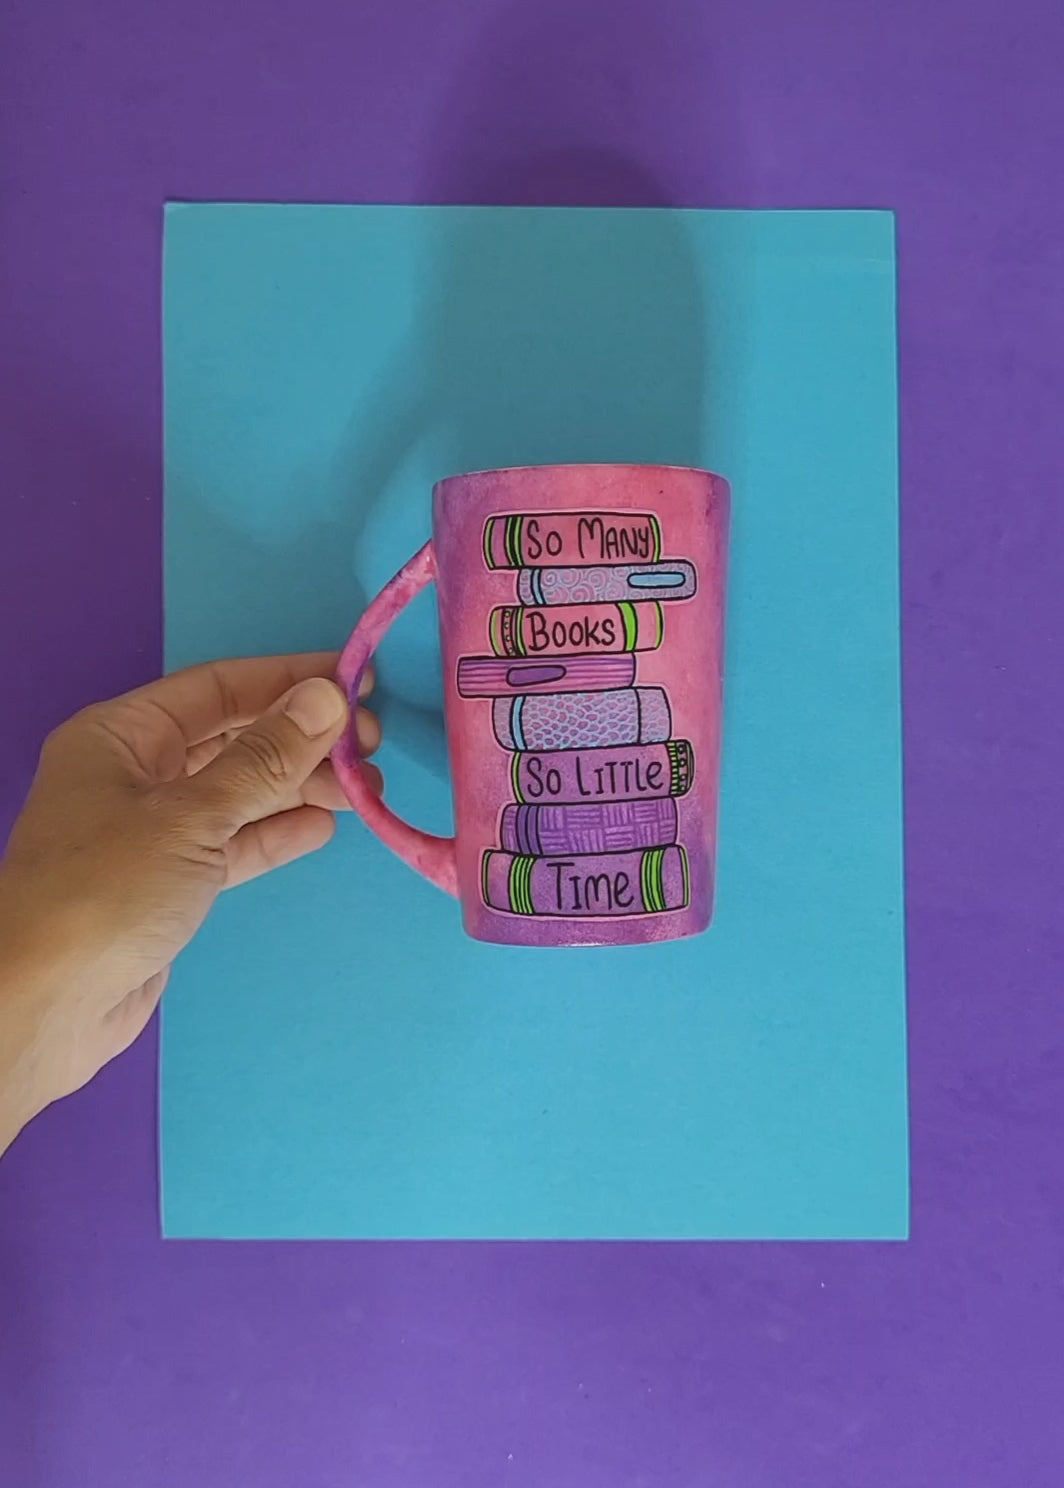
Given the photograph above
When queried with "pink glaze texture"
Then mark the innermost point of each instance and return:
(500, 538)
(434, 857)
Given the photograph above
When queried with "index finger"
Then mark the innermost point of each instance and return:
(206, 700)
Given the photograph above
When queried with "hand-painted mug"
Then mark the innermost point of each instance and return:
(582, 624)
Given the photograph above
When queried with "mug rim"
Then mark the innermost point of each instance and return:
(564, 465)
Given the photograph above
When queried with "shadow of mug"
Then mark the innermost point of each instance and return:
(542, 338)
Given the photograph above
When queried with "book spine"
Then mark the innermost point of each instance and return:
(601, 583)
(638, 772)
(532, 538)
(599, 827)
(598, 885)
(595, 629)
(493, 676)
(582, 720)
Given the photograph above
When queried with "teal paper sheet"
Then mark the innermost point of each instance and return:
(337, 1059)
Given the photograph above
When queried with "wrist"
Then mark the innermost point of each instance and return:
(30, 968)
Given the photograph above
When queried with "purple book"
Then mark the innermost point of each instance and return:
(602, 885)
(495, 676)
(583, 720)
(599, 827)
(602, 582)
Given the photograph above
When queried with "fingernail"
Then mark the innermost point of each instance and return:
(315, 706)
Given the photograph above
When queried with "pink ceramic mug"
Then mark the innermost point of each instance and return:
(582, 625)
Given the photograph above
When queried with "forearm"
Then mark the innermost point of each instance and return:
(17, 1057)
(13, 1114)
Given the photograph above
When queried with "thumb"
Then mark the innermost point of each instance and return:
(264, 768)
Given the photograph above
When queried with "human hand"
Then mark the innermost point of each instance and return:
(143, 809)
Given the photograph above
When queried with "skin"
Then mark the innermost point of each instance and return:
(143, 810)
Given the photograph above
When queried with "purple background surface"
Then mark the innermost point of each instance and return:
(940, 1361)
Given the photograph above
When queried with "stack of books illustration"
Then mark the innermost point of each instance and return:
(592, 829)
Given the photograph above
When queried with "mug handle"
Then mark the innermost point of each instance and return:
(433, 857)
